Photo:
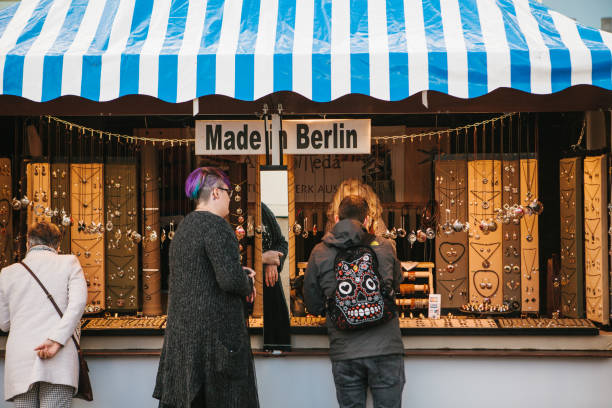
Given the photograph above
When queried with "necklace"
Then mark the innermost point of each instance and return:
(531, 263)
(85, 247)
(526, 166)
(529, 236)
(591, 231)
(567, 196)
(86, 204)
(568, 301)
(121, 293)
(568, 275)
(593, 172)
(482, 196)
(593, 286)
(593, 198)
(484, 178)
(592, 255)
(122, 266)
(79, 171)
(486, 284)
(453, 286)
(570, 228)
(594, 303)
(566, 172)
(565, 249)
(485, 248)
(526, 169)
(451, 251)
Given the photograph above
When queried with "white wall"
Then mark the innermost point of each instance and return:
(306, 382)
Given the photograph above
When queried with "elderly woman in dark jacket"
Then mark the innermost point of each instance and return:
(206, 358)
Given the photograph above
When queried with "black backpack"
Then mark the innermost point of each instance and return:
(362, 298)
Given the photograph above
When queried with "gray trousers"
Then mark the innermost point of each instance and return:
(384, 375)
(45, 395)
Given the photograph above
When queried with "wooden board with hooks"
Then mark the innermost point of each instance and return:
(572, 259)
(451, 245)
(39, 192)
(596, 239)
(485, 254)
(122, 253)
(60, 200)
(530, 251)
(511, 232)
(87, 231)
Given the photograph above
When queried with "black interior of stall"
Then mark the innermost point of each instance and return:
(556, 133)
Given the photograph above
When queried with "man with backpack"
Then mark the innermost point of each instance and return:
(351, 278)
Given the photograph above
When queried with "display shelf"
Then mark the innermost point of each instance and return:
(123, 323)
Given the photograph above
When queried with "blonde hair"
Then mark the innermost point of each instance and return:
(355, 187)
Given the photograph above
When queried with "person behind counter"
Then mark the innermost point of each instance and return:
(206, 359)
(41, 364)
(276, 313)
(365, 357)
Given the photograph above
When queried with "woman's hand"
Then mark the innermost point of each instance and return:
(271, 272)
(48, 349)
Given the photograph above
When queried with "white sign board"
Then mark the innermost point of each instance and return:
(230, 137)
(317, 136)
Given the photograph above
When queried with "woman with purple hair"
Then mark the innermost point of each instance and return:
(206, 359)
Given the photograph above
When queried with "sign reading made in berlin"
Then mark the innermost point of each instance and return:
(317, 136)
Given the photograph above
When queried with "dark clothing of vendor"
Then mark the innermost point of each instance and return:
(276, 314)
(360, 358)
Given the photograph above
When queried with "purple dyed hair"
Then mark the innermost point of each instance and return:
(209, 176)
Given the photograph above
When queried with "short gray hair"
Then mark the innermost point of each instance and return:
(44, 233)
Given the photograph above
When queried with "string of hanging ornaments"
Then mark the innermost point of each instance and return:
(440, 133)
(377, 139)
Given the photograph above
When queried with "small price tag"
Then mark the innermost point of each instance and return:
(435, 301)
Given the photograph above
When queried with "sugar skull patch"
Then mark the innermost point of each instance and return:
(358, 295)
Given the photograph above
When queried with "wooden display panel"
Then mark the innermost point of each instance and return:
(511, 233)
(296, 307)
(6, 213)
(570, 206)
(60, 200)
(530, 252)
(121, 203)
(151, 275)
(39, 192)
(485, 252)
(596, 239)
(87, 230)
(451, 249)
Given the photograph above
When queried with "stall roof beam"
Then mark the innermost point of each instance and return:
(579, 98)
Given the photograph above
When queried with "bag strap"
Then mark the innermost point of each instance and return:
(50, 297)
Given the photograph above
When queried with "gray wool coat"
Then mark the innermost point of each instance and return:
(207, 350)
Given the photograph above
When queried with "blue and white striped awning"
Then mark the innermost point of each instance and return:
(177, 50)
